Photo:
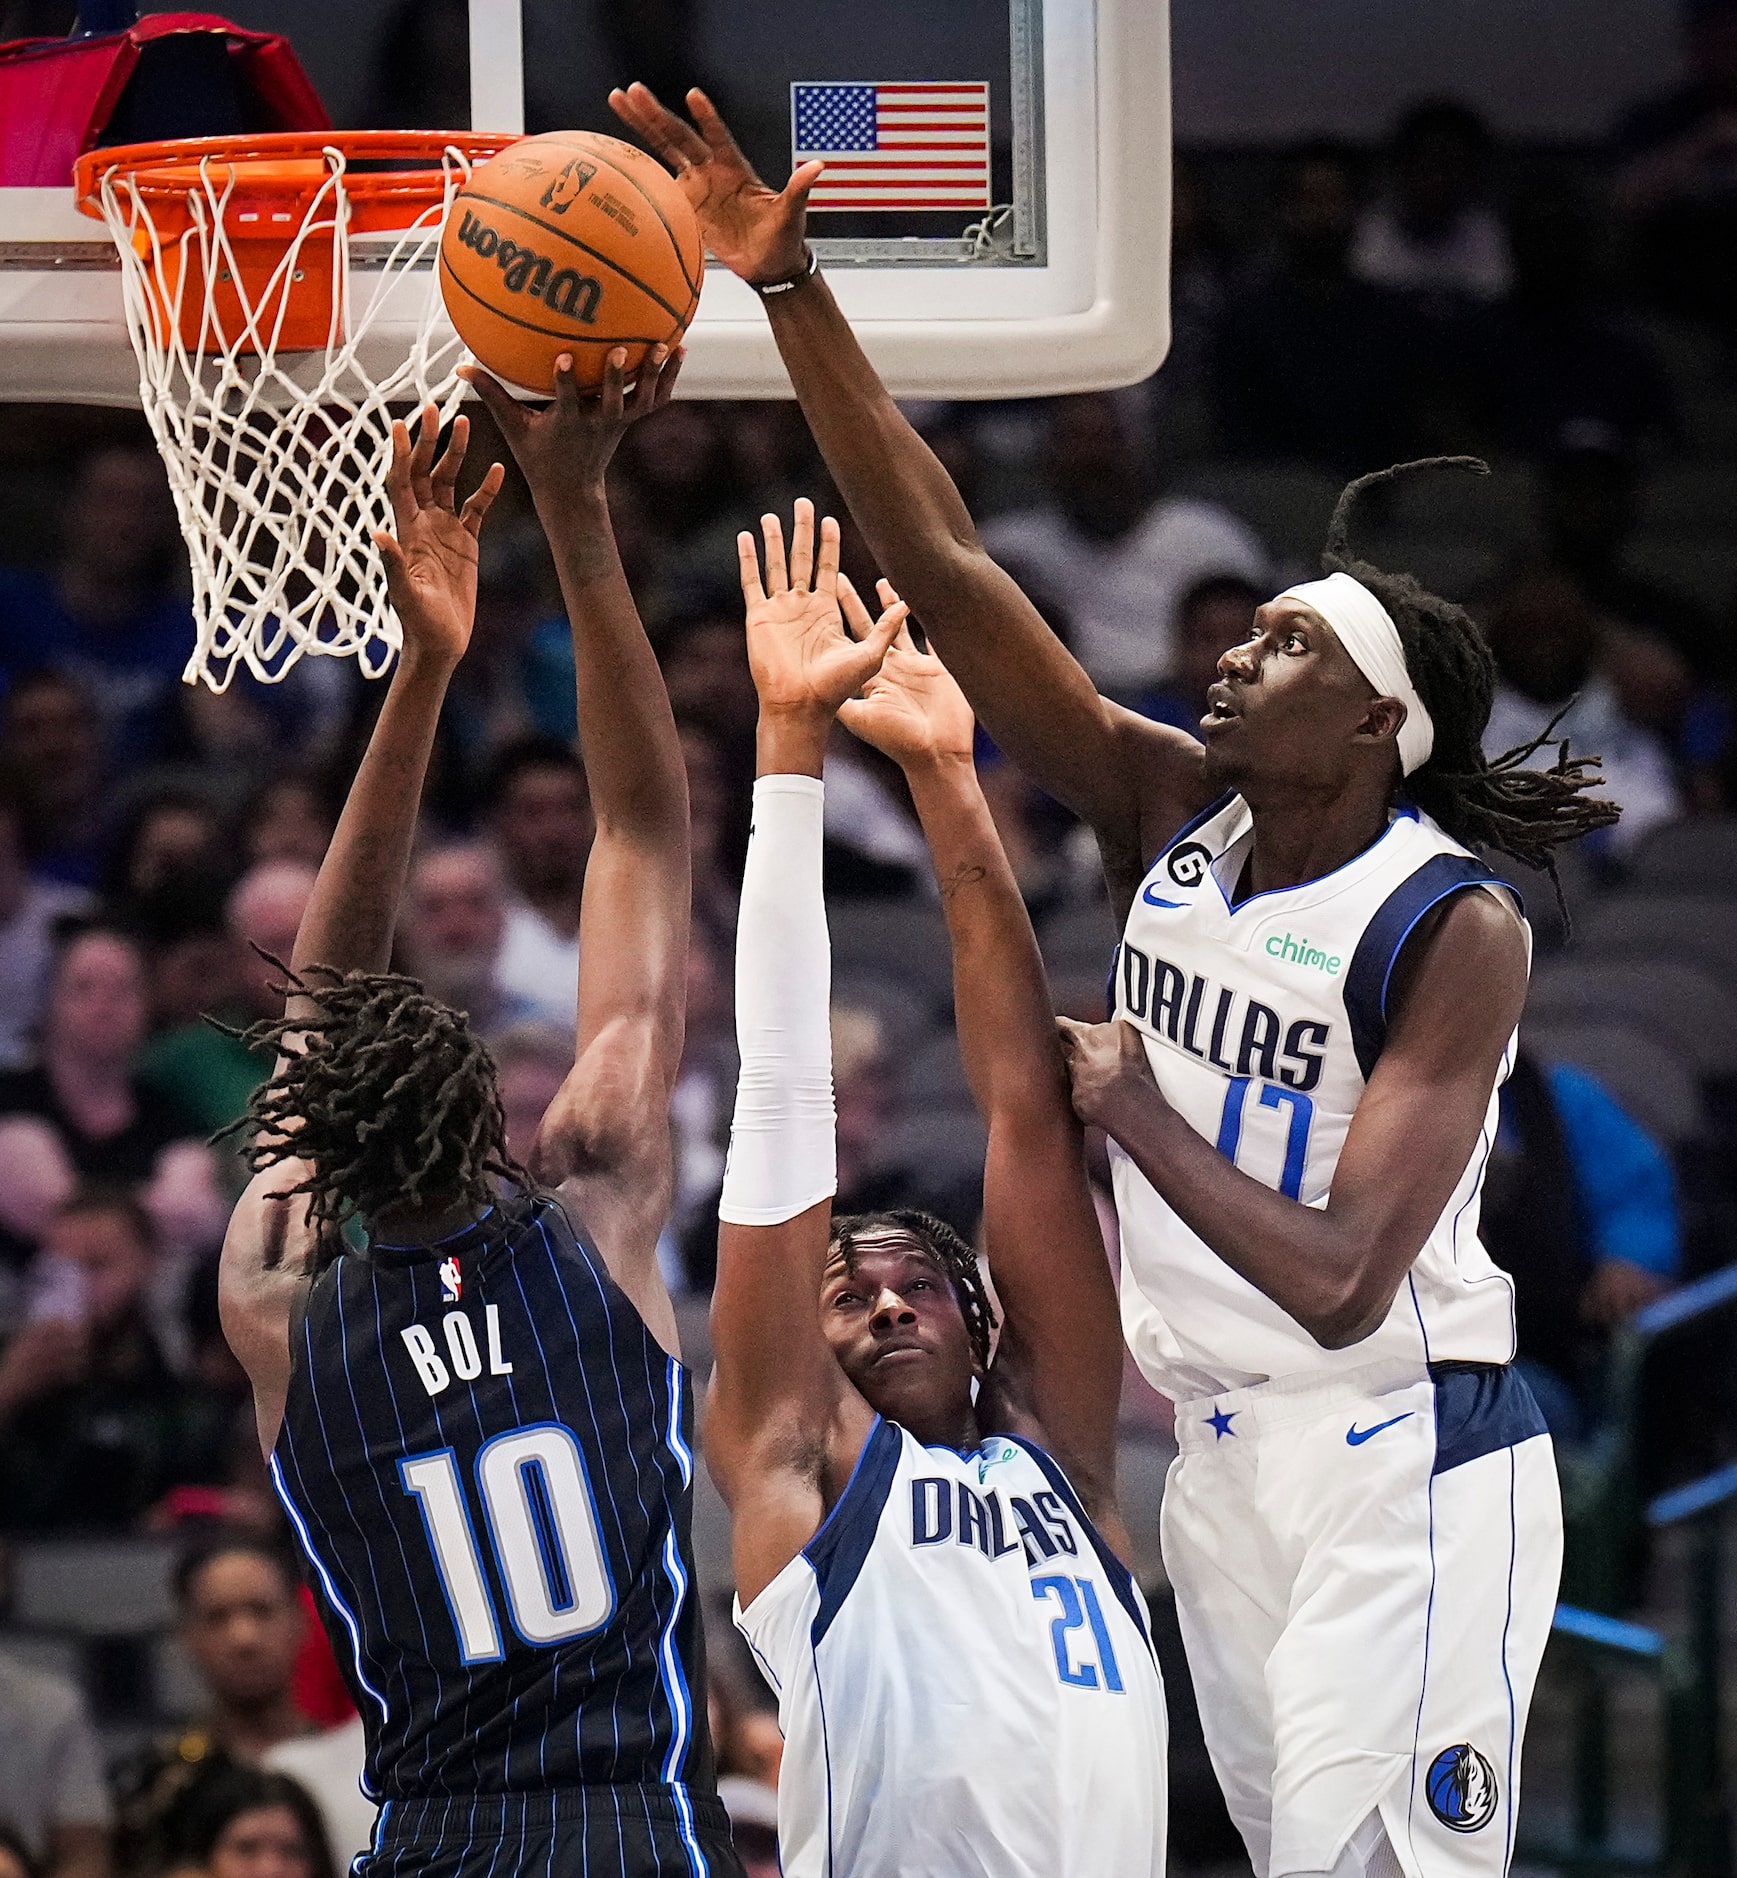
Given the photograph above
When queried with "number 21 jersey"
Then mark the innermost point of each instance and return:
(965, 1678)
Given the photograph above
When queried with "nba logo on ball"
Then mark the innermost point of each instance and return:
(451, 1283)
(1461, 1787)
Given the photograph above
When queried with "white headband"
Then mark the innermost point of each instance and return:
(1366, 630)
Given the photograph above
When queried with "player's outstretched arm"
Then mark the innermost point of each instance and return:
(431, 562)
(1457, 994)
(606, 1137)
(1059, 1362)
(783, 1425)
(1135, 782)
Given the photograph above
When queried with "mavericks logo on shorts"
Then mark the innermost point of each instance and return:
(1461, 1787)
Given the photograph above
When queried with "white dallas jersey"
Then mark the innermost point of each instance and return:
(1263, 1022)
(965, 1678)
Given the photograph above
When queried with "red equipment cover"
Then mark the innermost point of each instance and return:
(56, 95)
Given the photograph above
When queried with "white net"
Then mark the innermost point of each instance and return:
(277, 463)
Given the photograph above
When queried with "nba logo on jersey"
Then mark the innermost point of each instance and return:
(451, 1282)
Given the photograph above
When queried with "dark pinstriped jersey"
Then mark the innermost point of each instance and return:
(486, 1457)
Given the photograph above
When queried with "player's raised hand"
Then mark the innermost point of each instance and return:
(565, 445)
(431, 557)
(805, 663)
(911, 709)
(756, 231)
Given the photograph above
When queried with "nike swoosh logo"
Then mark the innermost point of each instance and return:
(1151, 898)
(1355, 1436)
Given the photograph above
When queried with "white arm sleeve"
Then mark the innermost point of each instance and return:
(783, 1155)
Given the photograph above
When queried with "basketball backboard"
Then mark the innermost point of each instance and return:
(1023, 251)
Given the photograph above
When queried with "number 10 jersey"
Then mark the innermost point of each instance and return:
(965, 1678)
(1263, 1021)
(486, 1457)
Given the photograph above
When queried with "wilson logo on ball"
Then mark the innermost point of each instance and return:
(564, 290)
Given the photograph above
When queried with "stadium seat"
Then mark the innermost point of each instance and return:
(1672, 999)
(1654, 926)
(904, 940)
(1645, 1074)
(1286, 504)
(1697, 856)
(94, 1587)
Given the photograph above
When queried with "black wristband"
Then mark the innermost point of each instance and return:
(809, 269)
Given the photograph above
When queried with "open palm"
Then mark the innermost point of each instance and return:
(803, 658)
(431, 559)
(912, 709)
(754, 230)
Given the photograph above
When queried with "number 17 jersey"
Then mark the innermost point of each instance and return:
(965, 1678)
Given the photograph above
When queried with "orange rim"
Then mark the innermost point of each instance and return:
(283, 171)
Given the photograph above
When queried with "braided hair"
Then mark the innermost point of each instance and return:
(955, 1258)
(391, 1098)
(1502, 804)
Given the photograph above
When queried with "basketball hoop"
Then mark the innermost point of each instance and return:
(252, 316)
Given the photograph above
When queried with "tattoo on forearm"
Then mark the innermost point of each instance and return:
(966, 874)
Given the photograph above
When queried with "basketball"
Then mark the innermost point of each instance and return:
(569, 242)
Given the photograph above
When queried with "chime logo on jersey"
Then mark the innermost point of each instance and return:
(451, 1281)
(1461, 1788)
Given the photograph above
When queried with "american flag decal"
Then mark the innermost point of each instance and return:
(917, 146)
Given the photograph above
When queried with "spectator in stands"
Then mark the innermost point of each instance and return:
(97, 1118)
(108, 609)
(539, 819)
(1215, 614)
(1314, 363)
(52, 1792)
(15, 1856)
(247, 1823)
(194, 962)
(52, 746)
(90, 1414)
(700, 1109)
(170, 835)
(1109, 553)
(1580, 1205)
(703, 653)
(1549, 644)
(1433, 233)
(328, 1767)
(242, 1623)
(209, 1072)
(1676, 177)
(289, 819)
(531, 1063)
(30, 909)
(719, 792)
(681, 466)
(454, 933)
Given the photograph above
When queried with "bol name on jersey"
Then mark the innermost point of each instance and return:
(1263, 1020)
(486, 1457)
(958, 1633)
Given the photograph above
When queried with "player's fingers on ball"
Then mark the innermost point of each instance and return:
(748, 560)
(567, 385)
(645, 387)
(666, 379)
(777, 581)
(499, 402)
(802, 544)
(614, 389)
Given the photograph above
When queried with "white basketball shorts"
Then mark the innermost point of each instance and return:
(1365, 1568)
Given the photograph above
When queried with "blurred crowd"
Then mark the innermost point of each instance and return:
(1572, 316)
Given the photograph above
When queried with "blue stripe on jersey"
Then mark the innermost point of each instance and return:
(1121, 1579)
(1480, 1408)
(675, 1682)
(330, 1589)
(838, 1551)
(1371, 968)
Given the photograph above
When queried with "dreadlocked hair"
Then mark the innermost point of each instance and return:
(950, 1252)
(1525, 813)
(388, 1095)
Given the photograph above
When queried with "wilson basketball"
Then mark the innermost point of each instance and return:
(569, 242)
